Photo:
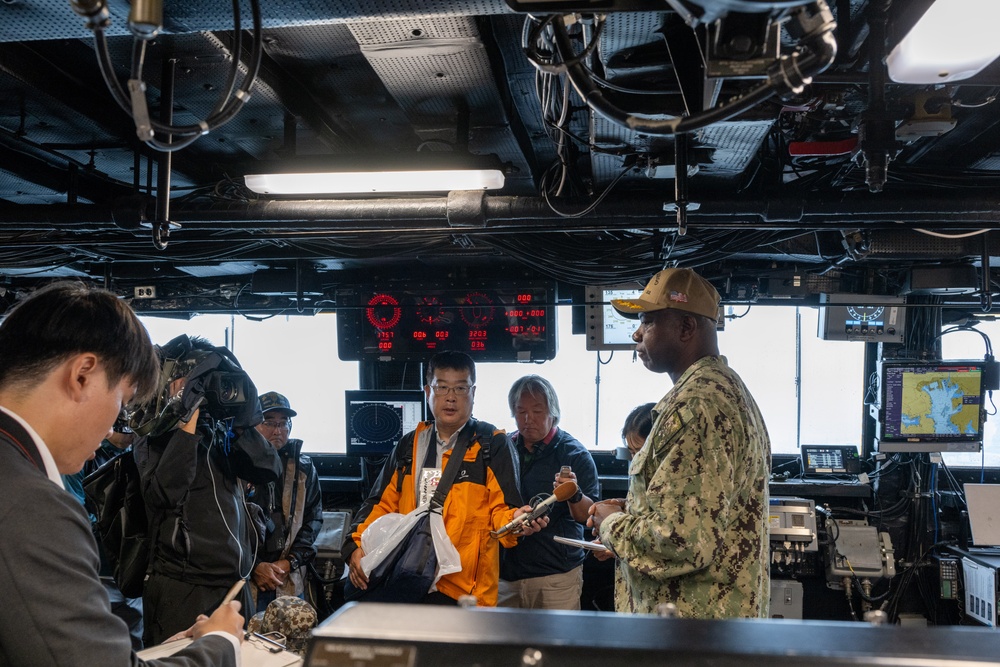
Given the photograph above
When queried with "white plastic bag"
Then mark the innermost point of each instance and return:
(387, 531)
(382, 536)
(449, 561)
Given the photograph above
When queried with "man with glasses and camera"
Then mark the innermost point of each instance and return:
(483, 498)
(292, 505)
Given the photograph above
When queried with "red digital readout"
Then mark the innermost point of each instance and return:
(383, 311)
(522, 329)
(524, 313)
(493, 324)
(477, 309)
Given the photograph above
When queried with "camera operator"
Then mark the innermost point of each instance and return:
(191, 465)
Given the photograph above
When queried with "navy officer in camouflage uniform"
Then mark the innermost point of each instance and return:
(693, 530)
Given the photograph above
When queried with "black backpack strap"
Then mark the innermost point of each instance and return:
(484, 436)
(404, 463)
(451, 470)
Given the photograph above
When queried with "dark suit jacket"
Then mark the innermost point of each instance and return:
(54, 609)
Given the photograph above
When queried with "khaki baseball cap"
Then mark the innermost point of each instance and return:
(682, 289)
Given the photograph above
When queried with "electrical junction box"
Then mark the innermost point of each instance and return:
(864, 317)
(858, 550)
(786, 598)
(793, 521)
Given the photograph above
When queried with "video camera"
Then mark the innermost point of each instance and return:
(214, 382)
(227, 393)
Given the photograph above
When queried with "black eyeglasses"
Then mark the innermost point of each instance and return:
(458, 389)
(282, 425)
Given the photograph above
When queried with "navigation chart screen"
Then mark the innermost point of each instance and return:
(939, 401)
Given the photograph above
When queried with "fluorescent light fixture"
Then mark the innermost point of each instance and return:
(361, 182)
(953, 40)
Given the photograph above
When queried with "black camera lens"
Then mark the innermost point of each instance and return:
(229, 389)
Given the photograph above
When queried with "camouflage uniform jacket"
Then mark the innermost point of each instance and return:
(694, 531)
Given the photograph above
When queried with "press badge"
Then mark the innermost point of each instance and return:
(429, 478)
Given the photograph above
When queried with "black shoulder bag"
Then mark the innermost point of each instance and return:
(407, 573)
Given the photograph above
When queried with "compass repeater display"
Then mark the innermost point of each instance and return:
(862, 317)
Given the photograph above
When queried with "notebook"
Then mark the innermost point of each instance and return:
(983, 501)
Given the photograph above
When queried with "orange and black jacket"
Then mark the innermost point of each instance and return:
(482, 498)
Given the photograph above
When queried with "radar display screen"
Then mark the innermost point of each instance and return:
(376, 420)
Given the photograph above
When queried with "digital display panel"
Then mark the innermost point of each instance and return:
(931, 402)
(606, 329)
(830, 459)
(873, 319)
(515, 323)
(376, 420)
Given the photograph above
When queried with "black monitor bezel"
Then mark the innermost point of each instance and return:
(937, 439)
(851, 464)
(377, 396)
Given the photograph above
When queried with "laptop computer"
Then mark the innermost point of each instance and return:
(983, 501)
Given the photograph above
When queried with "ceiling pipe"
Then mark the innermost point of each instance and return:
(500, 213)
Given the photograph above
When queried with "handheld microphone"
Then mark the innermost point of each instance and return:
(563, 492)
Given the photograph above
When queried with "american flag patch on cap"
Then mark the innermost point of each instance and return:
(679, 296)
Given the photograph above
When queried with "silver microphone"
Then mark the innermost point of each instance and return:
(563, 492)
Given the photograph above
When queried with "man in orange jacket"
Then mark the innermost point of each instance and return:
(483, 498)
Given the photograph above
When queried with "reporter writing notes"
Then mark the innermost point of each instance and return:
(483, 498)
(70, 359)
(693, 530)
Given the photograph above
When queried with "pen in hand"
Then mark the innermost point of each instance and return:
(233, 592)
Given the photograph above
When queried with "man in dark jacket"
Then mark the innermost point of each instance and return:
(128, 609)
(540, 573)
(293, 508)
(70, 359)
(191, 483)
